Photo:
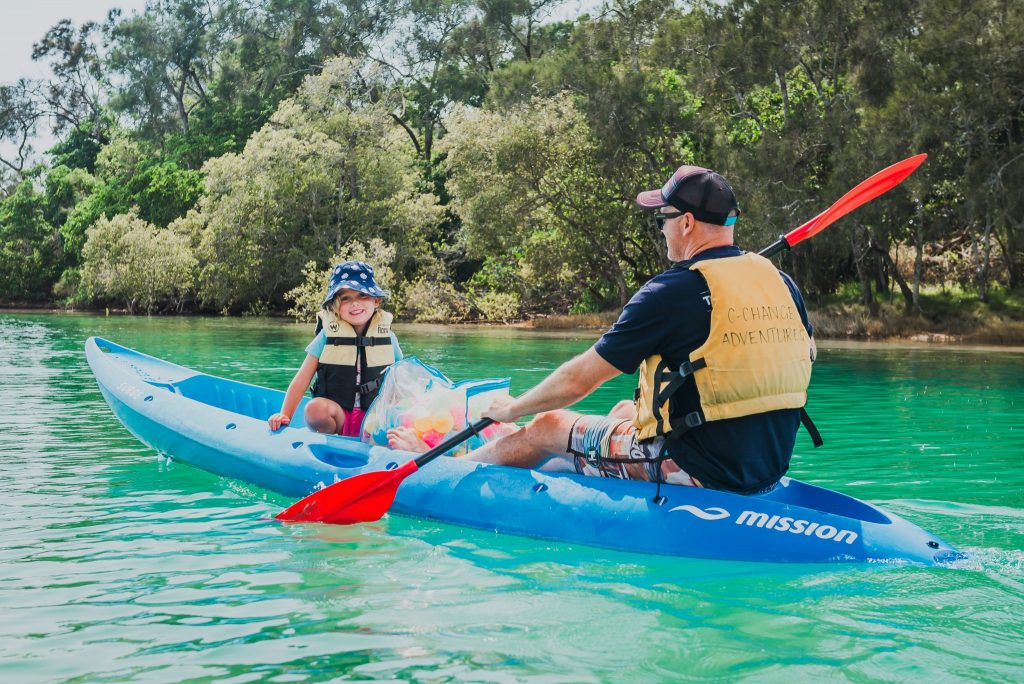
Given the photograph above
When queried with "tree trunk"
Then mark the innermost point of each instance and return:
(428, 140)
(908, 294)
(918, 254)
(1012, 254)
(981, 249)
(780, 76)
(880, 270)
(619, 278)
(866, 298)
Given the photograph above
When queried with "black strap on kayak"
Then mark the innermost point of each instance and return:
(658, 478)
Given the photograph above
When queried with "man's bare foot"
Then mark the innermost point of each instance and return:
(405, 439)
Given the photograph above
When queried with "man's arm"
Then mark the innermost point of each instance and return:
(573, 380)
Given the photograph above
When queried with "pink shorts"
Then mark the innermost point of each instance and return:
(353, 423)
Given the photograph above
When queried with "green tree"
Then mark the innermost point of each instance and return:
(529, 183)
(129, 260)
(30, 249)
(328, 169)
(76, 96)
(167, 56)
(129, 179)
(19, 119)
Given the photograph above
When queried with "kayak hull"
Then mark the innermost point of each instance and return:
(220, 426)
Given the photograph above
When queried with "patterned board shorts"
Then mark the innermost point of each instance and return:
(607, 447)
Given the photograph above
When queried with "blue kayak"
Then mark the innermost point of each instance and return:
(220, 425)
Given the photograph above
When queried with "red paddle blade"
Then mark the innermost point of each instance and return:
(866, 190)
(362, 498)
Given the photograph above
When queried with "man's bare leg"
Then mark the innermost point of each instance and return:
(625, 409)
(545, 436)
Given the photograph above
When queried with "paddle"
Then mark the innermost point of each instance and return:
(866, 190)
(367, 497)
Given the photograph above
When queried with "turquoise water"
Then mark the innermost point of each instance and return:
(117, 564)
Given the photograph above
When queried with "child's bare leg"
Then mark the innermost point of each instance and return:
(545, 436)
(325, 416)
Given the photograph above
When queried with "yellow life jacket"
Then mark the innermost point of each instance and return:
(757, 357)
(373, 353)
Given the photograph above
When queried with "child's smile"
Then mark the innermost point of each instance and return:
(355, 308)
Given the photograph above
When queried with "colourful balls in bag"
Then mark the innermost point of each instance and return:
(419, 399)
(432, 438)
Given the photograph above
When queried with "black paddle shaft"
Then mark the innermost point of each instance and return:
(453, 441)
(780, 245)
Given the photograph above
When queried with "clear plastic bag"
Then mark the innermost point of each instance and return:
(420, 397)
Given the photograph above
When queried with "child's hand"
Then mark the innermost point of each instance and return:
(277, 421)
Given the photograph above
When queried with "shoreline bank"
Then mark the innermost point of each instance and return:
(834, 323)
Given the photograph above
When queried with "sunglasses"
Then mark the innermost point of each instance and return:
(661, 216)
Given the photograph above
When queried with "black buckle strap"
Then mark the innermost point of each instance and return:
(677, 378)
(359, 341)
(687, 368)
(681, 426)
(369, 387)
(811, 428)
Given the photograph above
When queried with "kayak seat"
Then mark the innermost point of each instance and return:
(237, 397)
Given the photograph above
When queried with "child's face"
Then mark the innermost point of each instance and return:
(355, 308)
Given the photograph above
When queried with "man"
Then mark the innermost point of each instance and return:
(724, 348)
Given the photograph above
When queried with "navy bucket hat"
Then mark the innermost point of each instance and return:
(353, 275)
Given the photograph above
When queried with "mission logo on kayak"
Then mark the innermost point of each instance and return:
(776, 523)
(795, 525)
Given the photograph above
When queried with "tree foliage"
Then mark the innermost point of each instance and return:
(326, 170)
(497, 145)
(131, 261)
(30, 249)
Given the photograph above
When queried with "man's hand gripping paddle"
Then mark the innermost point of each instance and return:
(367, 497)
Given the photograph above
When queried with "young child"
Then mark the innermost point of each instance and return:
(353, 347)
